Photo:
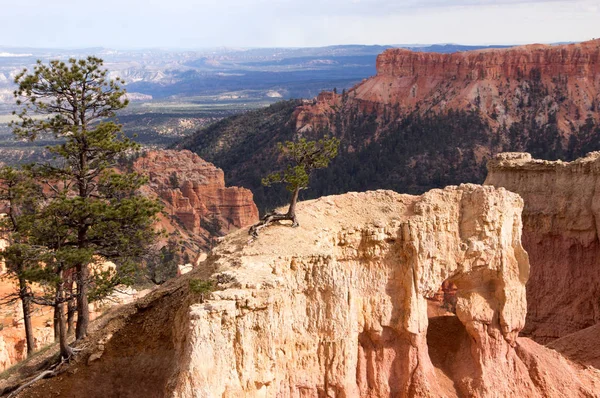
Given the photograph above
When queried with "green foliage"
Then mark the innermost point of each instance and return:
(72, 95)
(305, 157)
(86, 212)
(162, 264)
(202, 287)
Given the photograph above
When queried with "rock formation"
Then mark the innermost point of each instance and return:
(195, 192)
(3, 245)
(498, 83)
(581, 346)
(338, 308)
(561, 224)
(13, 347)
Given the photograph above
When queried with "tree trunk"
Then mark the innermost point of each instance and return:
(292, 209)
(65, 350)
(274, 216)
(71, 310)
(71, 304)
(83, 310)
(56, 321)
(26, 302)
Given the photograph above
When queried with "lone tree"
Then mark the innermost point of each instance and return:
(304, 157)
(95, 212)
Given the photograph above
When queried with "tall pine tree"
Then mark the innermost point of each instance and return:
(91, 212)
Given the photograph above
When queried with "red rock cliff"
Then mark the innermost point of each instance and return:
(195, 192)
(552, 81)
(574, 60)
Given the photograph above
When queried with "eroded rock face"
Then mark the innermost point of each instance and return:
(195, 192)
(561, 228)
(337, 307)
(497, 83)
(13, 346)
(3, 245)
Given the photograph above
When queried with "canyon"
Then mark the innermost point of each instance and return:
(556, 82)
(424, 121)
(343, 306)
(469, 290)
(561, 224)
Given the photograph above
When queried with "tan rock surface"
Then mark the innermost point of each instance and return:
(561, 224)
(338, 308)
(342, 311)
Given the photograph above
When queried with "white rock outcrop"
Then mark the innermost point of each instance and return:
(337, 308)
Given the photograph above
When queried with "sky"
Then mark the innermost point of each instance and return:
(189, 24)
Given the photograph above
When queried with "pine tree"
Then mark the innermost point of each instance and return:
(304, 157)
(19, 194)
(91, 212)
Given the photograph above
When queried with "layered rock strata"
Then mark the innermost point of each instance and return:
(338, 307)
(195, 192)
(561, 224)
(552, 82)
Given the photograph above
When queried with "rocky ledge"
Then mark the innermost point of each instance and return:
(339, 308)
(561, 233)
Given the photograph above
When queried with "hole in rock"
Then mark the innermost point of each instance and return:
(445, 335)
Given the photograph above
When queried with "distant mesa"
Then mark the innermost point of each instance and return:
(500, 84)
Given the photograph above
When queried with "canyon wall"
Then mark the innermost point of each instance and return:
(338, 307)
(194, 191)
(549, 83)
(13, 347)
(561, 224)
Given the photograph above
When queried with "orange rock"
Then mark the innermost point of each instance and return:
(200, 200)
(13, 347)
(498, 83)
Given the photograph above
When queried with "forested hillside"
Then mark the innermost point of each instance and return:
(410, 132)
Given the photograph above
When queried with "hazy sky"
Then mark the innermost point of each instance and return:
(266, 23)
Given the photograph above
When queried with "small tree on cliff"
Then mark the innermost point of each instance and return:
(304, 157)
(97, 210)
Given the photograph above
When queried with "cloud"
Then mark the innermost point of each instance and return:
(210, 23)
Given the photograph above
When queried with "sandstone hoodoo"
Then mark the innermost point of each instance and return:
(561, 232)
(194, 192)
(339, 308)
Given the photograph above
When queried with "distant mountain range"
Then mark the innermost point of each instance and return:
(257, 72)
